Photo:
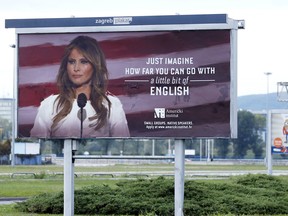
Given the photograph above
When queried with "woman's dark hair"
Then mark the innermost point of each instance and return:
(91, 50)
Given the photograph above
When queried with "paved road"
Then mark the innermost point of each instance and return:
(10, 200)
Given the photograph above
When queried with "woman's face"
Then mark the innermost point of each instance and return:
(79, 68)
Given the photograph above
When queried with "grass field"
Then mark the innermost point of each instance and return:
(136, 167)
(25, 181)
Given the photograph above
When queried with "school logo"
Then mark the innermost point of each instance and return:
(159, 112)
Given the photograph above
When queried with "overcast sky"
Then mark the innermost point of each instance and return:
(262, 45)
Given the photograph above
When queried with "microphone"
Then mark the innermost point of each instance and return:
(81, 102)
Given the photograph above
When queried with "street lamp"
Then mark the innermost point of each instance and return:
(13, 112)
(268, 147)
(267, 74)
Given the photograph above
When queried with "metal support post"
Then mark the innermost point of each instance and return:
(268, 144)
(69, 177)
(179, 177)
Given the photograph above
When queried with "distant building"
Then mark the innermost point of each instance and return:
(6, 108)
(6, 113)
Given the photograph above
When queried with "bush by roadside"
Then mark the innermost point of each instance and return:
(241, 195)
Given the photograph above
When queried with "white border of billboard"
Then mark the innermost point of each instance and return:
(230, 24)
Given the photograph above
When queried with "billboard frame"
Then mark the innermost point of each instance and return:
(273, 137)
(137, 24)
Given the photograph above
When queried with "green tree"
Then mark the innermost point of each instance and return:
(247, 133)
(5, 129)
(222, 146)
(260, 122)
(260, 126)
(5, 147)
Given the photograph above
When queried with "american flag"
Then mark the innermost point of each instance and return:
(207, 105)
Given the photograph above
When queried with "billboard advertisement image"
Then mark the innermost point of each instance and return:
(279, 131)
(148, 83)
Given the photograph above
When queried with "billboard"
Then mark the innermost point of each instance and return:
(160, 83)
(279, 131)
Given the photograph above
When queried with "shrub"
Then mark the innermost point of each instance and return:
(247, 195)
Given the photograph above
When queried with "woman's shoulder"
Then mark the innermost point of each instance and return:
(113, 98)
(50, 99)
